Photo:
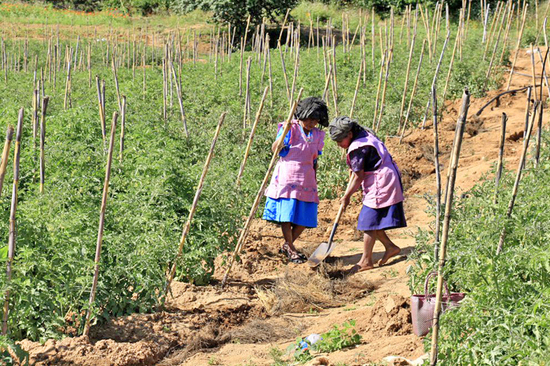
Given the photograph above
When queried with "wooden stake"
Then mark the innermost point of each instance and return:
(296, 68)
(283, 27)
(526, 6)
(246, 111)
(198, 192)
(164, 89)
(67, 98)
(384, 89)
(382, 64)
(539, 135)
(413, 91)
(115, 76)
(12, 228)
(500, 155)
(180, 100)
(453, 166)
(494, 51)
(527, 108)
(533, 72)
(5, 155)
(518, 177)
(407, 73)
(435, 75)
(284, 71)
(101, 225)
(437, 174)
(259, 195)
(356, 89)
(42, 143)
(101, 110)
(122, 128)
(450, 69)
(250, 139)
(327, 81)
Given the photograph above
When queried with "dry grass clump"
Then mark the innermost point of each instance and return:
(262, 331)
(299, 292)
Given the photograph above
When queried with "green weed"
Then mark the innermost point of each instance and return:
(339, 338)
(505, 313)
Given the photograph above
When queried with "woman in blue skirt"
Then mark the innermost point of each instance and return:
(373, 170)
(292, 196)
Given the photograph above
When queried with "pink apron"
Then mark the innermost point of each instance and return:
(294, 176)
(381, 187)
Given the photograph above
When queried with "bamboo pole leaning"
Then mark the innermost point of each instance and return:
(436, 73)
(122, 128)
(437, 173)
(5, 155)
(381, 75)
(415, 84)
(356, 89)
(254, 208)
(541, 108)
(180, 100)
(494, 52)
(384, 89)
(13, 210)
(67, 97)
(115, 76)
(520, 34)
(500, 155)
(246, 112)
(451, 63)
(101, 224)
(521, 165)
(407, 73)
(101, 110)
(251, 138)
(187, 226)
(284, 71)
(42, 143)
(453, 166)
(527, 109)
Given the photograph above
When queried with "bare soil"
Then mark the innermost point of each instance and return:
(269, 302)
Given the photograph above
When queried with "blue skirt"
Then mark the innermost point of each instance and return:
(291, 210)
(390, 217)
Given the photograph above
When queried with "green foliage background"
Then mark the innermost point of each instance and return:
(152, 188)
(506, 314)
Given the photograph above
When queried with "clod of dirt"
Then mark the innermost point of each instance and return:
(392, 314)
(299, 292)
(474, 127)
(516, 136)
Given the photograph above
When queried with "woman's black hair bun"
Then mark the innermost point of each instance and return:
(313, 108)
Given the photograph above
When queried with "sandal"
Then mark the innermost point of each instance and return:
(293, 256)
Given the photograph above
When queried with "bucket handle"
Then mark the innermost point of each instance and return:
(430, 275)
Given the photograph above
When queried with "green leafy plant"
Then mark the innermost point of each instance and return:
(298, 352)
(339, 338)
(504, 316)
(11, 353)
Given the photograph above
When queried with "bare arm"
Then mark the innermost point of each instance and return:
(274, 145)
(356, 178)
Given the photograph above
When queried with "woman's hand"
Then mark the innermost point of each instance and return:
(355, 180)
(345, 201)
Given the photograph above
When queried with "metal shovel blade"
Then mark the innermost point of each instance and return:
(319, 255)
(324, 249)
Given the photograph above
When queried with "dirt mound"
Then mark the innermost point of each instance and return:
(392, 315)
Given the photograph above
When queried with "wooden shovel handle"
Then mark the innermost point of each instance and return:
(336, 221)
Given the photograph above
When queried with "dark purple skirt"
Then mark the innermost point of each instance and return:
(386, 218)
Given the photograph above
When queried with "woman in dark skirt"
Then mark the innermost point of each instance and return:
(373, 170)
